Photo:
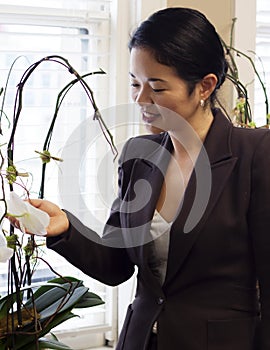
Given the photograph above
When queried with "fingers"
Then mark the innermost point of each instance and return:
(47, 206)
(59, 222)
(58, 219)
(14, 222)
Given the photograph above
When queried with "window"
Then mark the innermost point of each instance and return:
(78, 30)
(263, 57)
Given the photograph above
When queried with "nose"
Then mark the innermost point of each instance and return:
(143, 96)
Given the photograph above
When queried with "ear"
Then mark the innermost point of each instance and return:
(207, 85)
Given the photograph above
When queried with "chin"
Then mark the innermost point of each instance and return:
(153, 129)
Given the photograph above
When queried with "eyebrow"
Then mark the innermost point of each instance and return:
(149, 79)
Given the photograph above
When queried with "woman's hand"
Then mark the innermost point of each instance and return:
(58, 223)
(58, 219)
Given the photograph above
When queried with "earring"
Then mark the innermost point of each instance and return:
(202, 103)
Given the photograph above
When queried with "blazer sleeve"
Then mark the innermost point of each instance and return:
(259, 225)
(103, 258)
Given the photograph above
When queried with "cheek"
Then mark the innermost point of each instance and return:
(172, 104)
(133, 95)
(179, 103)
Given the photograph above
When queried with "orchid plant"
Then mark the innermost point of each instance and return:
(28, 313)
(241, 114)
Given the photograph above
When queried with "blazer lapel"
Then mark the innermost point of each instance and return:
(188, 224)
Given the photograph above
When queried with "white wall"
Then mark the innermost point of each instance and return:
(245, 40)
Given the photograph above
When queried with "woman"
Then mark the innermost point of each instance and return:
(197, 281)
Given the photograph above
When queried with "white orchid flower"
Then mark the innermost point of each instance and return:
(30, 218)
(5, 252)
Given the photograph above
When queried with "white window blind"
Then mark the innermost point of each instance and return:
(78, 30)
(263, 58)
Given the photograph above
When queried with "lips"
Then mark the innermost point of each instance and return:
(149, 117)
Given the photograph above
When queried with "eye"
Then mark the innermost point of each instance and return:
(134, 84)
(158, 90)
(157, 87)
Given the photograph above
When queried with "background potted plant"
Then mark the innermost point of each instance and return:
(241, 114)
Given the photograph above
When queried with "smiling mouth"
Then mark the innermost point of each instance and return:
(149, 117)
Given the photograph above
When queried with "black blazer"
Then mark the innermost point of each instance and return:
(209, 300)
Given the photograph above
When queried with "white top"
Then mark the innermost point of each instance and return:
(160, 231)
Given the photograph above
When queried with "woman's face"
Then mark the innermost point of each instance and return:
(154, 85)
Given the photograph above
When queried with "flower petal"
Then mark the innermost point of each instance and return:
(3, 241)
(36, 220)
(5, 254)
(30, 218)
(16, 206)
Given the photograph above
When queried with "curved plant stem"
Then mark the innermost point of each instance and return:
(18, 107)
(5, 91)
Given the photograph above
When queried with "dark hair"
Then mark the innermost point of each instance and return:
(183, 38)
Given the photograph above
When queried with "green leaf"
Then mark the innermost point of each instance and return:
(58, 319)
(56, 282)
(46, 298)
(88, 303)
(3, 344)
(3, 347)
(6, 303)
(88, 300)
(62, 305)
(50, 344)
(93, 295)
(65, 279)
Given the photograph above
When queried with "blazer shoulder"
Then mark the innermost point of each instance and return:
(249, 142)
(250, 135)
(140, 147)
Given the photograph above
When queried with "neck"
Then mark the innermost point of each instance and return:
(189, 139)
